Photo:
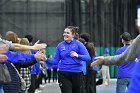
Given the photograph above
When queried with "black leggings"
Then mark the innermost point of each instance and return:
(70, 82)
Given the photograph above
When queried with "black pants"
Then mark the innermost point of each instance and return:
(84, 84)
(70, 82)
(54, 74)
(41, 77)
(33, 85)
(91, 81)
(49, 75)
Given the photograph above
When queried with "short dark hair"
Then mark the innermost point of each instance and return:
(85, 36)
(126, 36)
(29, 37)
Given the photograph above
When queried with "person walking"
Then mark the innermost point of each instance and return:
(126, 70)
(131, 53)
(90, 73)
(105, 70)
(69, 54)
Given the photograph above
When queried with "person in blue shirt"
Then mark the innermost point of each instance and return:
(131, 53)
(126, 70)
(15, 46)
(35, 70)
(20, 57)
(70, 53)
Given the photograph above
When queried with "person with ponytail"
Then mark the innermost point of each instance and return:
(69, 55)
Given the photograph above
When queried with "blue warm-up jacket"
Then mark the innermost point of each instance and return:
(68, 63)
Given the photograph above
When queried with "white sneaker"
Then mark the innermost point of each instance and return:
(38, 91)
(42, 86)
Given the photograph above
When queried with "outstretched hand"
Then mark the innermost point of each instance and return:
(38, 46)
(3, 48)
(99, 61)
(3, 58)
(40, 56)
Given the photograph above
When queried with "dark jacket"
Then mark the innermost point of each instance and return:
(14, 86)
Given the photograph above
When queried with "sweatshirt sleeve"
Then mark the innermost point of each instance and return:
(25, 64)
(16, 56)
(9, 44)
(130, 54)
(56, 58)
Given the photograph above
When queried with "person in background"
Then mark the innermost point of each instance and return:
(126, 70)
(43, 70)
(35, 70)
(12, 46)
(90, 73)
(69, 55)
(17, 46)
(49, 69)
(105, 70)
(131, 53)
(15, 57)
(14, 69)
(55, 73)
(25, 72)
(3, 57)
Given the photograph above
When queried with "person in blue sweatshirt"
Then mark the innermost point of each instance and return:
(35, 70)
(14, 46)
(126, 70)
(14, 57)
(70, 53)
(131, 53)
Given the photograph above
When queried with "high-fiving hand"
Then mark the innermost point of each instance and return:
(38, 46)
(39, 56)
(98, 61)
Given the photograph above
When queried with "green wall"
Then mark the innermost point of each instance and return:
(50, 50)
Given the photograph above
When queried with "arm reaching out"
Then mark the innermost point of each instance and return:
(36, 46)
(129, 54)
